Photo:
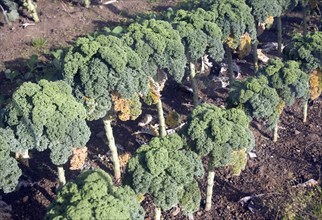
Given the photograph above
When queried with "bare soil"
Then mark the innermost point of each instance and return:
(294, 159)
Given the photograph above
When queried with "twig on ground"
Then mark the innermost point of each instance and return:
(24, 25)
(109, 2)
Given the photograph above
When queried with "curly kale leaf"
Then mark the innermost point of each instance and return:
(200, 33)
(99, 66)
(163, 168)
(46, 115)
(288, 79)
(10, 172)
(288, 5)
(234, 19)
(93, 196)
(159, 46)
(262, 9)
(217, 132)
(257, 98)
(306, 50)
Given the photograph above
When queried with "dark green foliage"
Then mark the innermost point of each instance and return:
(159, 46)
(163, 169)
(306, 50)
(9, 170)
(262, 9)
(288, 79)
(10, 173)
(93, 196)
(288, 5)
(217, 132)
(257, 98)
(200, 33)
(235, 19)
(190, 198)
(46, 115)
(98, 66)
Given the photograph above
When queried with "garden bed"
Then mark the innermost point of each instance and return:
(269, 177)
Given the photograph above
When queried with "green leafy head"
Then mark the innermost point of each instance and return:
(306, 50)
(159, 47)
(163, 168)
(217, 132)
(200, 34)
(288, 79)
(93, 196)
(97, 67)
(46, 115)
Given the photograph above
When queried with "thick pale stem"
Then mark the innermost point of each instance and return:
(191, 217)
(157, 214)
(194, 83)
(111, 144)
(210, 184)
(23, 157)
(305, 11)
(305, 112)
(230, 65)
(162, 126)
(279, 35)
(61, 175)
(275, 135)
(24, 154)
(255, 45)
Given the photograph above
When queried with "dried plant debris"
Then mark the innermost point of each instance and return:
(245, 46)
(315, 84)
(78, 159)
(124, 159)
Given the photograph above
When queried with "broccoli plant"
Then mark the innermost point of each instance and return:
(223, 136)
(160, 48)
(308, 52)
(287, 5)
(262, 10)
(165, 170)
(235, 20)
(107, 78)
(258, 99)
(200, 35)
(10, 172)
(45, 115)
(93, 196)
(289, 80)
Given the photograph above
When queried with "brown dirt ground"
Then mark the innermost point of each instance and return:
(294, 159)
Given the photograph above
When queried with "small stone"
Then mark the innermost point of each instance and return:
(199, 213)
(252, 155)
(297, 132)
(313, 137)
(25, 199)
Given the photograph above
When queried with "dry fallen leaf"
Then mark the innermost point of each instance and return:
(78, 159)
